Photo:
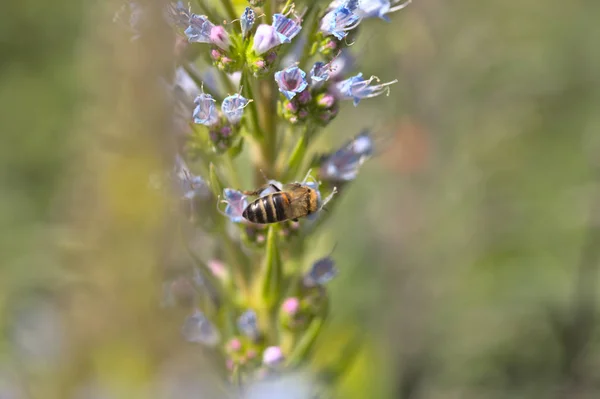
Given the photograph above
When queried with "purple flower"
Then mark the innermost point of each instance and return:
(286, 28)
(220, 37)
(320, 72)
(236, 203)
(233, 107)
(197, 328)
(339, 21)
(291, 81)
(199, 29)
(343, 164)
(247, 20)
(247, 324)
(357, 88)
(273, 356)
(321, 272)
(265, 38)
(205, 112)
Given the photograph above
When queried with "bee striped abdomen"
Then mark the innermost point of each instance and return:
(268, 209)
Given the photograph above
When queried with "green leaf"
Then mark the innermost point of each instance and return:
(302, 349)
(271, 287)
(216, 184)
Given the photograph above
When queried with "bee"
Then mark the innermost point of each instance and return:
(292, 201)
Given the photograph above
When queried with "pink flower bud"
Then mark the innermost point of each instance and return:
(220, 37)
(291, 306)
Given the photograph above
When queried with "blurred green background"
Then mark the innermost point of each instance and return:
(468, 247)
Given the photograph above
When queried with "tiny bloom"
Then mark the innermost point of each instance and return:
(247, 20)
(247, 324)
(233, 107)
(357, 88)
(205, 112)
(273, 356)
(199, 29)
(265, 38)
(320, 72)
(234, 345)
(379, 8)
(343, 164)
(339, 21)
(291, 306)
(326, 100)
(236, 203)
(192, 186)
(217, 268)
(220, 37)
(291, 81)
(197, 328)
(321, 272)
(286, 28)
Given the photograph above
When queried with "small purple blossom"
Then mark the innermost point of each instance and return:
(197, 328)
(357, 88)
(236, 203)
(199, 29)
(205, 112)
(320, 72)
(343, 165)
(286, 28)
(339, 21)
(220, 37)
(265, 38)
(247, 324)
(233, 107)
(291, 306)
(273, 356)
(247, 20)
(291, 81)
(321, 272)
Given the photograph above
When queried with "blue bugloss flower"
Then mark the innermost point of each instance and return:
(291, 81)
(265, 38)
(191, 186)
(197, 328)
(247, 324)
(320, 72)
(247, 20)
(205, 112)
(379, 8)
(357, 88)
(321, 272)
(233, 107)
(343, 164)
(199, 29)
(236, 204)
(286, 28)
(339, 21)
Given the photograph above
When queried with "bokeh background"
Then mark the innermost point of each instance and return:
(468, 247)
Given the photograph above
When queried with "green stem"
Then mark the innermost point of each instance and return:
(269, 116)
(234, 178)
(297, 156)
(210, 13)
(198, 80)
(252, 107)
(230, 10)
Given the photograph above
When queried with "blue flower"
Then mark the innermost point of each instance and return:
(247, 324)
(380, 8)
(321, 272)
(357, 88)
(199, 29)
(233, 107)
(197, 328)
(265, 38)
(236, 204)
(291, 81)
(247, 20)
(205, 112)
(339, 21)
(286, 28)
(343, 165)
(320, 72)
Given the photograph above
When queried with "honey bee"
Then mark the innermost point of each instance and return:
(292, 201)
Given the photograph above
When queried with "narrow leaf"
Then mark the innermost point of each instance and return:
(216, 184)
(306, 343)
(271, 287)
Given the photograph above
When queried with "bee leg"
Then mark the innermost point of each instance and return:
(261, 189)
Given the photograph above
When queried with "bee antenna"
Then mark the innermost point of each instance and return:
(219, 202)
(307, 176)
(263, 175)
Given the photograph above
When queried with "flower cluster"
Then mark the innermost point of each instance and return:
(285, 72)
